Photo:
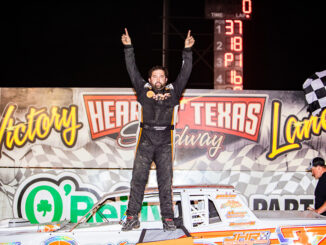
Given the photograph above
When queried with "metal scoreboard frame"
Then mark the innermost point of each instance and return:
(228, 18)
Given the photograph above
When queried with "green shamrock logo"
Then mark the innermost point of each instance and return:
(44, 206)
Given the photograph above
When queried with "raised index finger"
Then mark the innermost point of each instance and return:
(189, 33)
(126, 31)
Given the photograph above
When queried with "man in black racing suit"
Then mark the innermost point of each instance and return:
(155, 138)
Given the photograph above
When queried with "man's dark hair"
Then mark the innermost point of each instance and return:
(166, 73)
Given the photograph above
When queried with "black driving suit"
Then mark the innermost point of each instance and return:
(155, 138)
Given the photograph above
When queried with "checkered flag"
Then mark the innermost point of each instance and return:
(315, 92)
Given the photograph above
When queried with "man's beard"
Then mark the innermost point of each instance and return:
(158, 85)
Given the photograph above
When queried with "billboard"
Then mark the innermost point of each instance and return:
(63, 148)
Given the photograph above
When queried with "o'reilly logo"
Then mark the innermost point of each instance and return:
(47, 198)
(50, 198)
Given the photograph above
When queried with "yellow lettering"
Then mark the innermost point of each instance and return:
(69, 121)
(42, 132)
(322, 120)
(5, 123)
(316, 126)
(9, 135)
(295, 131)
(32, 114)
(301, 130)
(275, 149)
(38, 125)
(20, 135)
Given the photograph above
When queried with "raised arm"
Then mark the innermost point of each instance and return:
(134, 74)
(184, 74)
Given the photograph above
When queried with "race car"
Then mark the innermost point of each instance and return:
(203, 215)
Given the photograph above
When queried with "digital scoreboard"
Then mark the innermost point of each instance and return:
(228, 18)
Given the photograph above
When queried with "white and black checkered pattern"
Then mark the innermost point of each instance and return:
(315, 92)
(102, 153)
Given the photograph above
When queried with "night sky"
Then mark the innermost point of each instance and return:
(78, 44)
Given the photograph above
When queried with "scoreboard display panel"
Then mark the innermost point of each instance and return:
(228, 54)
(228, 18)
